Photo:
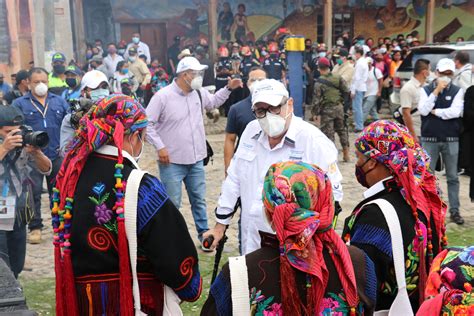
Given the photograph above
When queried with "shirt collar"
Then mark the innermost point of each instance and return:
(376, 188)
(177, 89)
(113, 151)
(417, 83)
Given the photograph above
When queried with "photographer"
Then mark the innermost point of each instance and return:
(94, 86)
(16, 161)
(43, 111)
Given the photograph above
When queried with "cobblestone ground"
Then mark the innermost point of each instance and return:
(39, 260)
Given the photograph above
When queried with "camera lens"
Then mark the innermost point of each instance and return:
(37, 139)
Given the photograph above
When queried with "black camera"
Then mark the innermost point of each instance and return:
(79, 107)
(37, 139)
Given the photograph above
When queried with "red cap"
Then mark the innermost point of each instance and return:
(323, 61)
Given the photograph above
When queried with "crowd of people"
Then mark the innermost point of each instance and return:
(84, 128)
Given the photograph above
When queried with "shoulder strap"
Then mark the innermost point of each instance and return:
(200, 99)
(327, 83)
(130, 206)
(239, 282)
(401, 305)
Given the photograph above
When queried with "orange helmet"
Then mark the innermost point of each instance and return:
(273, 48)
(223, 51)
(246, 51)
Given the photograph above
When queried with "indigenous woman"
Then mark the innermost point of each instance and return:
(94, 271)
(305, 269)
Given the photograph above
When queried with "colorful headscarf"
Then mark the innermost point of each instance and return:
(392, 145)
(107, 122)
(298, 198)
(450, 284)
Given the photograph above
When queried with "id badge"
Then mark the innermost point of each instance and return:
(7, 212)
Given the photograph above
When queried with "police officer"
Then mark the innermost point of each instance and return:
(273, 65)
(73, 80)
(223, 68)
(57, 78)
(248, 62)
(19, 89)
(328, 108)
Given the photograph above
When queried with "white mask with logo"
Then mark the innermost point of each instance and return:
(41, 89)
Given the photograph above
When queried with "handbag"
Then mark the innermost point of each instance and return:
(171, 300)
(398, 114)
(401, 305)
(209, 150)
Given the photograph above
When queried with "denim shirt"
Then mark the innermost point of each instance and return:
(50, 123)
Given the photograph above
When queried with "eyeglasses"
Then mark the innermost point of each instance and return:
(260, 113)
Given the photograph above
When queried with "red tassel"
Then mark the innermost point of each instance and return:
(423, 274)
(59, 281)
(290, 299)
(126, 297)
(70, 298)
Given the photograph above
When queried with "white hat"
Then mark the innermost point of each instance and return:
(445, 64)
(268, 91)
(190, 63)
(369, 60)
(93, 79)
(184, 53)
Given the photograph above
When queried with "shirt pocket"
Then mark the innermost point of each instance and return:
(246, 164)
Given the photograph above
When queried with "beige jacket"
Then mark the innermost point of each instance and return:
(346, 71)
(140, 71)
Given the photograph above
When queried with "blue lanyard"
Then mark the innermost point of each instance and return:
(5, 188)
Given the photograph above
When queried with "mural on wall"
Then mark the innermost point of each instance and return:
(188, 18)
(245, 20)
(453, 18)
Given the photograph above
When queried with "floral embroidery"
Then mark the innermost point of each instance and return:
(389, 287)
(336, 305)
(261, 306)
(459, 305)
(467, 255)
(104, 216)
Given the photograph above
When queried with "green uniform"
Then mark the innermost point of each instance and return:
(328, 101)
(56, 85)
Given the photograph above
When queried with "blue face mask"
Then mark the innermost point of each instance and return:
(136, 40)
(361, 42)
(99, 94)
(125, 71)
(322, 54)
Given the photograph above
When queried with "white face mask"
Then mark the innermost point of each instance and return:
(196, 83)
(273, 124)
(41, 89)
(137, 158)
(445, 79)
(99, 94)
(136, 40)
(340, 43)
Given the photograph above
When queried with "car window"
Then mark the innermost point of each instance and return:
(433, 55)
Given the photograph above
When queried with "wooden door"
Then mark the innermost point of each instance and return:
(154, 34)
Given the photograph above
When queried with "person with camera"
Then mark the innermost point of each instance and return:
(94, 86)
(43, 111)
(17, 157)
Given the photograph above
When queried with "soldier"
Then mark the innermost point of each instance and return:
(329, 91)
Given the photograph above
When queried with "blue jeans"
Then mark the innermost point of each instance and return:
(194, 178)
(13, 247)
(370, 107)
(357, 110)
(449, 151)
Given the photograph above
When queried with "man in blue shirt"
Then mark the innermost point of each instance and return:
(43, 111)
(73, 80)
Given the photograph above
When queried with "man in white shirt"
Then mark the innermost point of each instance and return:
(410, 96)
(276, 135)
(463, 74)
(142, 48)
(358, 88)
(374, 91)
(111, 60)
(441, 105)
(360, 43)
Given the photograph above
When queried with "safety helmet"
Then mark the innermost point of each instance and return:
(246, 51)
(223, 51)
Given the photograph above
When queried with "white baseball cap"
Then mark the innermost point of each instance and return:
(93, 79)
(190, 63)
(445, 64)
(268, 91)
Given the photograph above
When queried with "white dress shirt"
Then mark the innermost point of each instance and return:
(246, 173)
(111, 64)
(427, 103)
(463, 77)
(361, 75)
